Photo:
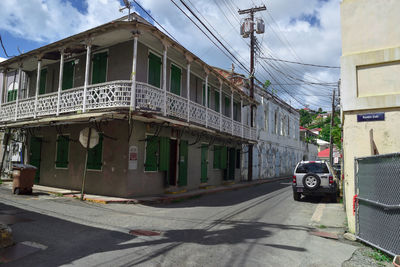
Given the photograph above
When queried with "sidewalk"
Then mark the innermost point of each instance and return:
(157, 199)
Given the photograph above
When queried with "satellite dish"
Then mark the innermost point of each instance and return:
(94, 137)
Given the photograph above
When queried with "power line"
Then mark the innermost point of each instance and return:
(305, 64)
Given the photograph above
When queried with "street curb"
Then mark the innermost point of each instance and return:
(171, 199)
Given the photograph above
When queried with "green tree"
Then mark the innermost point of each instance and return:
(305, 118)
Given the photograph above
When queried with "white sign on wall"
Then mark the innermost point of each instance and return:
(132, 157)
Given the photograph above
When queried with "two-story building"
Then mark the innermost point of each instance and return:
(165, 119)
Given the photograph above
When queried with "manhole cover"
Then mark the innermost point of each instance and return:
(144, 233)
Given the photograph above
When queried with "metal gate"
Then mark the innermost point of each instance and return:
(377, 203)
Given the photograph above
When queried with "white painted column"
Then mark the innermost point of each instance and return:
(232, 111)
(133, 75)
(206, 96)
(188, 89)
(39, 66)
(3, 85)
(18, 90)
(87, 69)
(164, 78)
(241, 115)
(220, 105)
(60, 78)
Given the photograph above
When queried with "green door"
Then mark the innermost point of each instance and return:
(154, 75)
(99, 74)
(183, 163)
(204, 163)
(35, 155)
(68, 75)
(43, 79)
(232, 164)
(175, 80)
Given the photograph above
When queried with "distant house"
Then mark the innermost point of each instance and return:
(324, 155)
(306, 134)
(316, 130)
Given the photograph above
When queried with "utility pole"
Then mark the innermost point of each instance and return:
(332, 123)
(251, 11)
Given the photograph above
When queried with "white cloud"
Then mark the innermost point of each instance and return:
(49, 20)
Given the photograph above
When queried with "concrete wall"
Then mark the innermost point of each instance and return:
(115, 179)
(370, 83)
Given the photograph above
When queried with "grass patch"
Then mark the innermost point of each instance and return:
(380, 256)
(321, 226)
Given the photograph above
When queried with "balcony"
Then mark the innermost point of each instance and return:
(117, 94)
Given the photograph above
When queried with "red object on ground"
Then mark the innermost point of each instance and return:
(144, 233)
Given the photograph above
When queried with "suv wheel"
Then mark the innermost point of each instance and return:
(311, 181)
(296, 196)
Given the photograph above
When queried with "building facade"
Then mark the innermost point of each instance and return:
(370, 84)
(165, 120)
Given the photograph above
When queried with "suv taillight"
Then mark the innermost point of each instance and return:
(294, 179)
(331, 179)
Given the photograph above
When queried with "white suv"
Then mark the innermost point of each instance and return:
(314, 178)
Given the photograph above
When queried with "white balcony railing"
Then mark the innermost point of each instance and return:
(117, 94)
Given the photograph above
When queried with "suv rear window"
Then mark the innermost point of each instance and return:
(312, 167)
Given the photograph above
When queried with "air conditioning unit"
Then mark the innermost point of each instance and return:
(246, 28)
(260, 26)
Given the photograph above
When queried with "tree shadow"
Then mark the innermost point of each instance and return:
(70, 242)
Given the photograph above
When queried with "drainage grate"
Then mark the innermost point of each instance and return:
(144, 233)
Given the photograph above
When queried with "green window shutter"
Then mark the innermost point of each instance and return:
(95, 155)
(43, 79)
(224, 158)
(12, 95)
(164, 154)
(216, 98)
(217, 157)
(68, 75)
(62, 151)
(151, 154)
(154, 75)
(235, 111)
(204, 96)
(175, 80)
(227, 106)
(99, 74)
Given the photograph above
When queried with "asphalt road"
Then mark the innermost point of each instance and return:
(256, 226)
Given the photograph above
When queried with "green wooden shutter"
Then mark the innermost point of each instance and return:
(95, 155)
(151, 153)
(235, 111)
(154, 75)
(12, 95)
(227, 106)
(183, 163)
(164, 154)
(224, 154)
(68, 75)
(216, 98)
(62, 151)
(204, 96)
(43, 79)
(175, 80)
(99, 68)
(217, 157)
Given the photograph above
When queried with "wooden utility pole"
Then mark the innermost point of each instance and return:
(251, 11)
(332, 124)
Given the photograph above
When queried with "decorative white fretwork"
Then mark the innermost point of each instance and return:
(213, 119)
(197, 113)
(149, 97)
(26, 108)
(176, 106)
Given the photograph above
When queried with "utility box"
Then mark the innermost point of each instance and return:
(246, 28)
(260, 26)
(23, 178)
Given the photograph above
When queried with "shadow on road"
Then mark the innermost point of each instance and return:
(69, 242)
(227, 198)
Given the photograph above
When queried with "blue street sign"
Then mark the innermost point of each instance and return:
(371, 117)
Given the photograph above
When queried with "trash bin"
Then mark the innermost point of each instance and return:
(23, 178)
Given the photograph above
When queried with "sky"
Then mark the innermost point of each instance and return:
(305, 31)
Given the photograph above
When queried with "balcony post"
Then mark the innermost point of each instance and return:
(189, 60)
(18, 90)
(241, 115)
(232, 110)
(87, 69)
(164, 76)
(133, 75)
(220, 104)
(60, 80)
(3, 85)
(206, 94)
(39, 66)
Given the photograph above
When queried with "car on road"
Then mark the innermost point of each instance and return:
(315, 178)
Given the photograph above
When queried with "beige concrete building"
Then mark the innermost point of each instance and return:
(370, 74)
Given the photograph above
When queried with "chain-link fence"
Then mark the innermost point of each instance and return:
(378, 199)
